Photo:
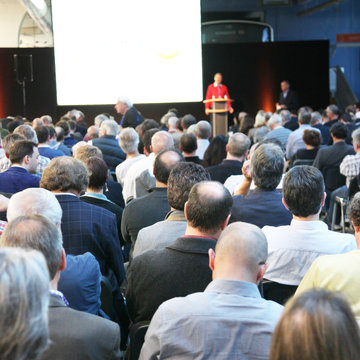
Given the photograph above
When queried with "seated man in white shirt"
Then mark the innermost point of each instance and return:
(203, 133)
(229, 320)
(293, 248)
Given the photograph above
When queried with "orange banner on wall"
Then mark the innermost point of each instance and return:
(347, 38)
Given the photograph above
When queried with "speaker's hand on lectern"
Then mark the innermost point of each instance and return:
(207, 111)
(231, 110)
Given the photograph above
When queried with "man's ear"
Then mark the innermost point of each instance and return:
(211, 253)
(185, 210)
(224, 224)
(284, 203)
(151, 149)
(261, 272)
(227, 148)
(323, 199)
(63, 260)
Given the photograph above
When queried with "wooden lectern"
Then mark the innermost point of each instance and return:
(219, 116)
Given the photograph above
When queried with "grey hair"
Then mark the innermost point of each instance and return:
(191, 129)
(129, 140)
(238, 144)
(35, 232)
(275, 119)
(99, 119)
(35, 201)
(260, 119)
(9, 140)
(46, 119)
(27, 132)
(125, 100)
(203, 129)
(333, 109)
(285, 115)
(111, 127)
(65, 173)
(315, 118)
(162, 140)
(24, 301)
(172, 122)
(267, 166)
(356, 137)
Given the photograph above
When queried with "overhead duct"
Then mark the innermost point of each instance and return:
(40, 12)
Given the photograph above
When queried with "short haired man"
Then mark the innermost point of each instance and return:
(332, 112)
(316, 122)
(236, 152)
(328, 159)
(149, 209)
(277, 130)
(174, 131)
(23, 155)
(262, 206)
(6, 143)
(92, 132)
(94, 336)
(339, 272)
(227, 314)
(109, 146)
(131, 117)
(43, 135)
(69, 139)
(288, 98)
(203, 133)
(182, 267)
(288, 120)
(128, 141)
(187, 120)
(188, 146)
(293, 248)
(182, 178)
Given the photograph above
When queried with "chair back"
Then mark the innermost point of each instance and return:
(277, 292)
(137, 336)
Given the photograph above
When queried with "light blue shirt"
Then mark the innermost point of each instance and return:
(229, 320)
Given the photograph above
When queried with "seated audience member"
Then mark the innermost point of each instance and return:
(174, 131)
(73, 334)
(85, 227)
(246, 124)
(187, 120)
(293, 248)
(73, 129)
(55, 144)
(277, 130)
(43, 135)
(203, 133)
(260, 129)
(295, 139)
(29, 134)
(289, 122)
(262, 206)
(316, 325)
(347, 120)
(80, 281)
(80, 123)
(112, 190)
(131, 117)
(113, 155)
(37, 122)
(188, 146)
(47, 120)
(216, 152)
(312, 140)
(92, 133)
(149, 209)
(139, 180)
(332, 112)
(316, 122)
(328, 159)
(339, 272)
(24, 286)
(5, 162)
(98, 174)
(69, 139)
(23, 155)
(227, 314)
(236, 153)
(129, 141)
(163, 233)
(182, 267)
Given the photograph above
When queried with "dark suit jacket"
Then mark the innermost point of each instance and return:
(225, 169)
(16, 179)
(132, 118)
(328, 160)
(260, 208)
(291, 100)
(76, 335)
(292, 124)
(159, 275)
(86, 227)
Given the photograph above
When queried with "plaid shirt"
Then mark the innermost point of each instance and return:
(350, 167)
(43, 162)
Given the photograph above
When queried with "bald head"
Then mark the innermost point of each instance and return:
(164, 163)
(161, 140)
(203, 129)
(241, 251)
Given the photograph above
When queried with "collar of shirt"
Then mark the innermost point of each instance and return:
(216, 85)
(65, 193)
(43, 145)
(97, 196)
(242, 288)
(308, 225)
(175, 215)
(60, 295)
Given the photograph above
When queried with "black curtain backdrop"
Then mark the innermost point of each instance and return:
(252, 72)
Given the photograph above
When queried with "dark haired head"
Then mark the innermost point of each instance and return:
(187, 121)
(346, 118)
(146, 138)
(182, 178)
(42, 133)
(64, 125)
(216, 151)
(19, 149)
(164, 162)
(312, 137)
(303, 190)
(188, 143)
(98, 172)
(354, 210)
(148, 124)
(12, 125)
(339, 131)
(304, 117)
(208, 206)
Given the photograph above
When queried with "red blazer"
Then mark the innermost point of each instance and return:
(217, 91)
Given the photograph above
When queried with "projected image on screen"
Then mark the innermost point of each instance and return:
(147, 50)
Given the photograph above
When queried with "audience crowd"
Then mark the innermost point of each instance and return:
(135, 238)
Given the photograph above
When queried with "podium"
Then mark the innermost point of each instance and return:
(219, 115)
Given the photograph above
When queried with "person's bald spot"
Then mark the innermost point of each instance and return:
(170, 158)
(160, 141)
(210, 190)
(241, 245)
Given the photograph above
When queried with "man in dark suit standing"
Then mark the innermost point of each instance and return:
(73, 334)
(288, 98)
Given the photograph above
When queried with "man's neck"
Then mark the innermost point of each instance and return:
(70, 191)
(159, 184)
(232, 157)
(95, 191)
(189, 154)
(132, 155)
(191, 231)
(314, 217)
